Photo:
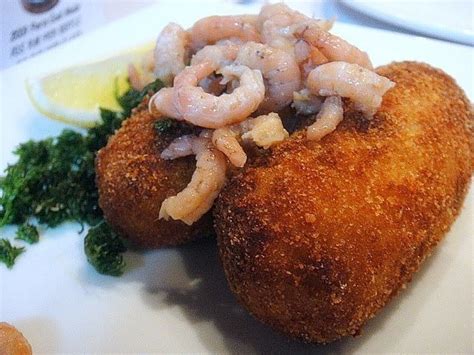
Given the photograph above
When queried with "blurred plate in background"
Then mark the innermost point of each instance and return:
(451, 20)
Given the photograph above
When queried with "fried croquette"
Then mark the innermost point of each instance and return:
(316, 237)
(133, 181)
(12, 342)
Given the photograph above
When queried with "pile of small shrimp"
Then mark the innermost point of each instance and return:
(231, 75)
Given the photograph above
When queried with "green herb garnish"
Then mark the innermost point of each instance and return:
(54, 179)
(8, 253)
(166, 126)
(169, 126)
(132, 98)
(97, 136)
(104, 248)
(28, 233)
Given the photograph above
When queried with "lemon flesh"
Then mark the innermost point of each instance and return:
(74, 95)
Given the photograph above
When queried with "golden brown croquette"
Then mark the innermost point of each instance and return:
(133, 181)
(316, 237)
(12, 341)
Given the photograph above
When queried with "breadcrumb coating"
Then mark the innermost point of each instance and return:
(316, 237)
(133, 180)
(12, 341)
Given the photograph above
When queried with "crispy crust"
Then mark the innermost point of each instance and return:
(12, 341)
(316, 237)
(133, 181)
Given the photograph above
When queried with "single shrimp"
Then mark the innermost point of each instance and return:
(364, 87)
(215, 55)
(220, 55)
(209, 111)
(211, 29)
(212, 84)
(171, 52)
(263, 131)
(148, 61)
(142, 74)
(308, 57)
(226, 140)
(306, 103)
(327, 119)
(134, 77)
(279, 24)
(178, 148)
(207, 181)
(283, 15)
(275, 23)
(162, 104)
(333, 47)
(280, 72)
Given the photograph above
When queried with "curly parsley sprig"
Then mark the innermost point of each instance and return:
(8, 253)
(53, 181)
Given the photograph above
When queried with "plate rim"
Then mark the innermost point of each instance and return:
(460, 36)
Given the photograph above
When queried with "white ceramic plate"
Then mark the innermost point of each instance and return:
(451, 20)
(177, 300)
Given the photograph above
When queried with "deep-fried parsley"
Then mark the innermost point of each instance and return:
(316, 237)
(133, 181)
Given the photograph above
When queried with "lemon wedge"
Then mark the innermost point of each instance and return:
(75, 94)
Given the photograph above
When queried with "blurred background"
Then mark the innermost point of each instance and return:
(29, 27)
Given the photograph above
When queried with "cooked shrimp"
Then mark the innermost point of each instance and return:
(171, 52)
(147, 66)
(179, 148)
(280, 11)
(134, 77)
(306, 103)
(364, 87)
(220, 55)
(280, 26)
(212, 84)
(327, 119)
(206, 110)
(263, 131)
(275, 22)
(308, 57)
(211, 29)
(148, 61)
(226, 140)
(285, 16)
(162, 104)
(280, 72)
(207, 181)
(141, 75)
(333, 47)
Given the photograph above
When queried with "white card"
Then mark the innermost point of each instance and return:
(30, 27)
